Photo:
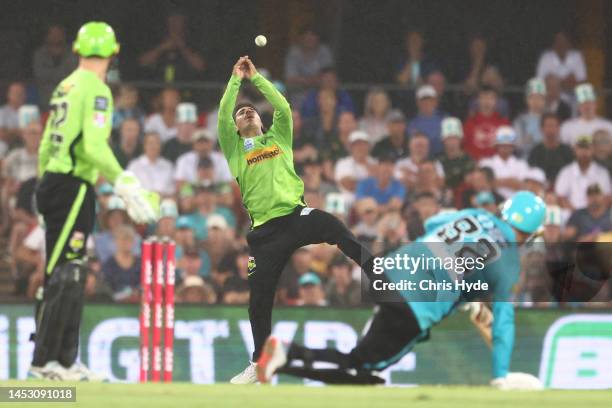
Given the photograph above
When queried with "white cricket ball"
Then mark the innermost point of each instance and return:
(261, 40)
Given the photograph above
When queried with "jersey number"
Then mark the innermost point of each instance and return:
(483, 248)
(60, 112)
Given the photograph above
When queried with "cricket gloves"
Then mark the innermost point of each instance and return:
(479, 312)
(517, 382)
(142, 206)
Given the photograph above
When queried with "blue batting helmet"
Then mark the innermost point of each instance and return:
(524, 211)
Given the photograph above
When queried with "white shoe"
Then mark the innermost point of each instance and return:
(248, 376)
(273, 357)
(52, 371)
(83, 373)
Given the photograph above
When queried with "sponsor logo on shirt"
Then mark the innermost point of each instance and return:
(261, 155)
(99, 119)
(249, 144)
(101, 103)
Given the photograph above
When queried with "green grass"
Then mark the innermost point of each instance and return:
(183, 395)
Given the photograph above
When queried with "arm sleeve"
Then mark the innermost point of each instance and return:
(282, 122)
(227, 129)
(503, 337)
(97, 124)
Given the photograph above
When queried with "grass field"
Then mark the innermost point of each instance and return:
(183, 395)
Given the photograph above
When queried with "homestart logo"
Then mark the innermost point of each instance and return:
(260, 155)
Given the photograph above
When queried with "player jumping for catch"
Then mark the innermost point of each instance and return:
(398, 325)
(74, 150)
(281, 222)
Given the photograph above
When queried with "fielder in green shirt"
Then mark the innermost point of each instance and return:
(73, 152)
(262, 162)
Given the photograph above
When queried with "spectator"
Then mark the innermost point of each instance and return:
(9, 115)
(304, 144)
(311, 291)
(407, 169)
(219, 239)
(306, 59)
(329, 81)
(534, 180)
(446, 102)
(586, 224)
(342, 290)
(29, 259)
(480, 127)
(313, 178)
(392, 233)
(414, 65)
(339, 145)
(587, 121)
(168, 213)
(428, 180)
(573, 179)
(114, 217)
(173, 59)
(527, 125)
(236, 290)
(481, 179)
(602, 149)
(186, 198)
(52, 62)
(428, 119)
(455, 163)
(554, 100)
(508, 170)
(185, 238)
(153, 171)
(486, 201)
(322, 128)
(356, 167)
(194, 290)
(493, 79)
(21, 164)
(366, 229)
(395, 142)
(193, 262)
(122, 270)
(564, 62)
(550, 154)
(164, 122)
(128, 148)
(206, 205)
(186, 120)
(126, 106)
(374, 121)
(479, 64)
(104, 194)
(187, 164)
(388, 192)
(299, 265)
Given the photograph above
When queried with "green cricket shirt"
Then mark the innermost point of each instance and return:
(262, 165)
(75, 140)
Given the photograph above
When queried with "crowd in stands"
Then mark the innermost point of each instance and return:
(383, 168)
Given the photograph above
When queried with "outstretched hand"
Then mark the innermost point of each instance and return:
(238, 69)
(244, 68)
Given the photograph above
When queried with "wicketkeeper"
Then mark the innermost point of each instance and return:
(74, 150)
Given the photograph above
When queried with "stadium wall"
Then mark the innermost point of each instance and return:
(566, 349)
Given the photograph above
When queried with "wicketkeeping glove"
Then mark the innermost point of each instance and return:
(142, 205)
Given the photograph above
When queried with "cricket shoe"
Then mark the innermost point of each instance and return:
(248, 376)
(80, 372)
(52, 371)
(273, 357)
